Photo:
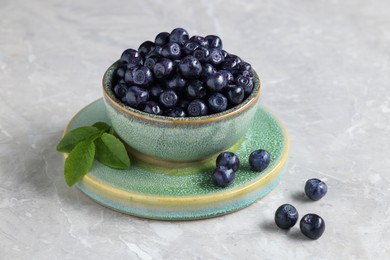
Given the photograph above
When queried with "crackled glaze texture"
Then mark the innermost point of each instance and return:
(180, 139)
(325, 72)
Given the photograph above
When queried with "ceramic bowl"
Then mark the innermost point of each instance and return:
(154, 137)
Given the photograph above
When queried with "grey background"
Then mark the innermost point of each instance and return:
(325, 70)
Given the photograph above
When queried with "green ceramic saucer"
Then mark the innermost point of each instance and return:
(185, 192)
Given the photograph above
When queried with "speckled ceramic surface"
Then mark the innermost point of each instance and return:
(179, 139)
(175, 194)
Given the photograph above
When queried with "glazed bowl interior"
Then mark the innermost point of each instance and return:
(174, 138)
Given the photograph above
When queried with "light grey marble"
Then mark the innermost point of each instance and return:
(325, 70)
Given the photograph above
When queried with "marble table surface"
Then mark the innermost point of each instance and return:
(325, 70)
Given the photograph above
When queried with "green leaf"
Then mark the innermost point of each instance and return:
(102, 126)
(79, 161)
(111, 152)
(72, 138)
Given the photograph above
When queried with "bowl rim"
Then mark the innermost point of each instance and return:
(245, 105)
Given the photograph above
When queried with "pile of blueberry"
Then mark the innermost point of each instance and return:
(228, 163)
(311, 225)
(179, 76)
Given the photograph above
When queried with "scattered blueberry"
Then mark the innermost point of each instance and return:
(286, 216)
(223, 176)
(315, 189)
(259, 160)
(229, 160)
(312, 226)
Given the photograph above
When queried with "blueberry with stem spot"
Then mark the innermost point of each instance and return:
(259, 160)
(197, 108)
(168, 98)
(189, 47)
(171, 51)
(229, 160)
(120, 90)
(246, 83)
(312, 226)
(215, 57)
(202, 54)
(315, 189)
(142, 76)
(217, 102)
(286, 216)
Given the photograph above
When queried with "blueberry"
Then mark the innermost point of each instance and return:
(202, 54)
(189, 47)
(315, 189)
(214, 41)
(216, 81)
(201, 41)
(162, 38)
(229, 64)
(168, 98)
(176, 83)
(129, 76)
(152, 107)
(223, 176)
(190, 67)
(184, 104)
(244, 66)
(207, 70)
(246, 83)
(229, 76)
(142, 76)
(179, 35)
(286, 216)
(151, 61)
(156, 51)
(197, 108)
(229, 160)
(145, 48)
(120, 90)
(136, 96)
(217, 102)
(216, 56)
(171, 51)
(224, 54)
(195, 89)
(120, 72)
(155, 91)
(235, 94)
(312, 226)
(163, 68)
(259, 160)
(131, 58)
(175, 112)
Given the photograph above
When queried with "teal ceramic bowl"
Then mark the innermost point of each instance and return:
(160, 138)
